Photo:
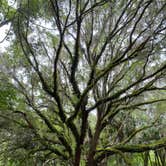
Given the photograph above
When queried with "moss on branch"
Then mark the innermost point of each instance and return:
(138, 148)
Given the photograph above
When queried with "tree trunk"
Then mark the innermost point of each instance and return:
(91, 161)
(93, 144)
(146, 157)
(77, 156)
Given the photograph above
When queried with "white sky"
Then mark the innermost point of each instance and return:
(3, 31)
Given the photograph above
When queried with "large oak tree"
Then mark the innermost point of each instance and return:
(84, 75)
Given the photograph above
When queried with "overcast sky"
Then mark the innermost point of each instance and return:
(3, 43)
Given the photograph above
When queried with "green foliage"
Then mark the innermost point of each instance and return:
(82, 83)
(7, 94)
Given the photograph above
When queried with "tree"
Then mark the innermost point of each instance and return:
(88, 75)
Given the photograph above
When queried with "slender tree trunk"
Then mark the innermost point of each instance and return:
(82, 136)
(146, 157)
(93, 144)
(77, 156)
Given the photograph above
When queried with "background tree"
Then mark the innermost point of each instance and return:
(88, 78)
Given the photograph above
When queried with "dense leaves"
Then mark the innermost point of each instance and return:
(83, 82)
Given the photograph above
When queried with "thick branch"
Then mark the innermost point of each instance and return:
(138, 148)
